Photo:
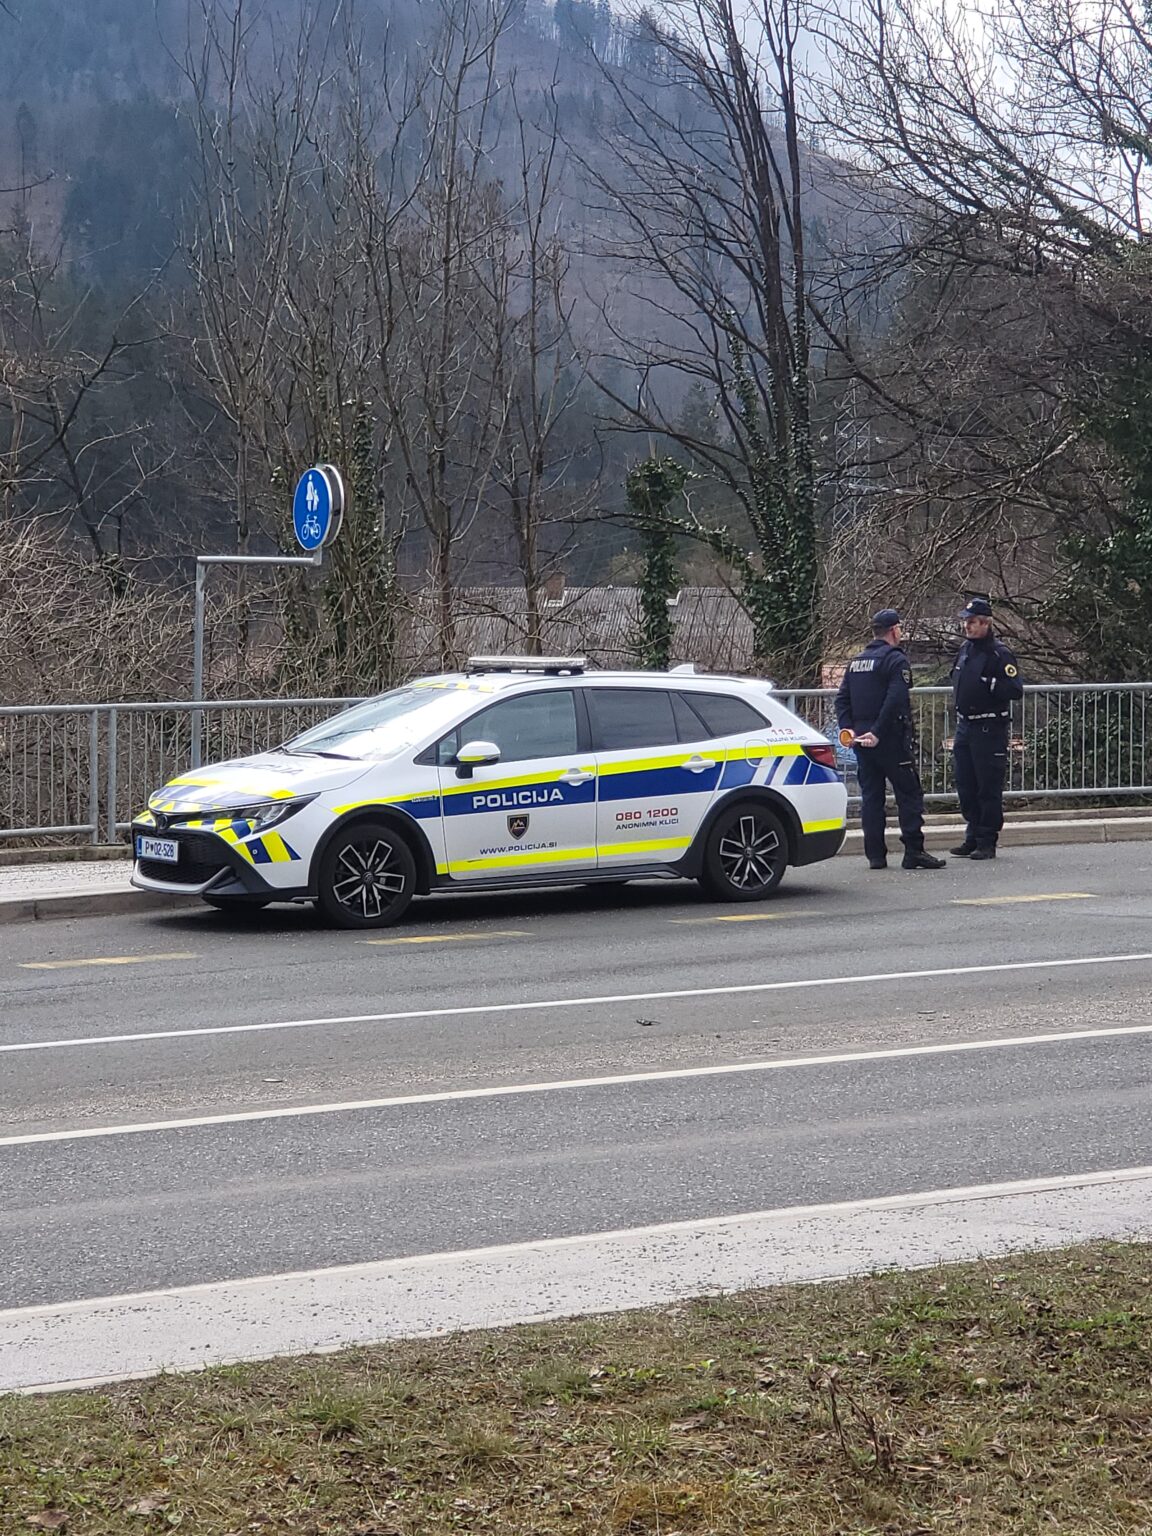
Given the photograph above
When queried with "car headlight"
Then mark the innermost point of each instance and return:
(259, 817)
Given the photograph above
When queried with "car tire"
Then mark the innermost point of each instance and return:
(366, 877)
(745, 855)
(234, 904)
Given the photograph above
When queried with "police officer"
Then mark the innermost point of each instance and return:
(874, 711)
(985, 681)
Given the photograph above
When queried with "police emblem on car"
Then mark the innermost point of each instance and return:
(518, 770)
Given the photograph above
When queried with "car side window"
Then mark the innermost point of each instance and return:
(623, 718)
(539, 724)
(689, 725)
(726, 715)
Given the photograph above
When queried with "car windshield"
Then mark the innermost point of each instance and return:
(386, 725)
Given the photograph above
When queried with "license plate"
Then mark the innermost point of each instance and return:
(164, 850)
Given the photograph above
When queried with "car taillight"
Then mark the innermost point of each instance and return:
(824, 754)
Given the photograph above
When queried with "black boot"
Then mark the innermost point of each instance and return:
(983, 853)
(877, 863)
(964, 851)
(921, 860)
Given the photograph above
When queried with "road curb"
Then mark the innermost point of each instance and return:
(1035, 834)
(1016, 834)
(30, 909)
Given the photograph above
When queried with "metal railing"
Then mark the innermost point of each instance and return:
(1068, 740)
(81, 771)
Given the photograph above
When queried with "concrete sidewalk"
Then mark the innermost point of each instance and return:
(82, 887)
(76, 888)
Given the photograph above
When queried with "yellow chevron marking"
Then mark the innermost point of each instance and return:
(277, 848)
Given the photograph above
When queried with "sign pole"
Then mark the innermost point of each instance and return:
(317, 512)
(202, 564)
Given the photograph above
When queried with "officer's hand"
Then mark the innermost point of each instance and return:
(869, 739)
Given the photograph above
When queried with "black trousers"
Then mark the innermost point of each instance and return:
(980, 760)
(876, 768)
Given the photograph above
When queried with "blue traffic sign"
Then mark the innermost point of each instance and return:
(318, 507)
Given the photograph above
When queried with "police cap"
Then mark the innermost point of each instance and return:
(885, 620)
(978, 608)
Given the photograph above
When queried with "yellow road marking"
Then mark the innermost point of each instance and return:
(453, 938)
(1004, 901)
(745, 917)
(71, 965)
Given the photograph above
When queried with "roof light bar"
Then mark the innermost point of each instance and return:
(552, 665)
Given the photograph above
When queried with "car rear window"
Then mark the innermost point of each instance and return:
(726, 715)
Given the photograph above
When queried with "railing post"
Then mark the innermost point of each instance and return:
(94, 774)
(198, 665)
(113, 770)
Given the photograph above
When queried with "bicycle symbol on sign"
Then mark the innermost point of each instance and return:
(310, 527)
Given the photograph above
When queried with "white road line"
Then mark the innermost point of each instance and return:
(908, 1201)
(567, 1085)
(473, 1009)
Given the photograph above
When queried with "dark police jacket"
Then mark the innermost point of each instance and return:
(985, 680)
(874, 695)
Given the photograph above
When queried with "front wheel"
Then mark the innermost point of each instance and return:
(367, 877)
(746, 854)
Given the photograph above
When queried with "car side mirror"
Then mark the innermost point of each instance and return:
(475, 754)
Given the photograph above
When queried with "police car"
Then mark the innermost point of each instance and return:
(516, 772)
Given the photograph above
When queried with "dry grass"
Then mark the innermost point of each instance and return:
(987, 1400)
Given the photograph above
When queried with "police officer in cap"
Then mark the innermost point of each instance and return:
(874, 711)
(985, 682)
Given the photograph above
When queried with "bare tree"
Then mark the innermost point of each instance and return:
(537, 367)
(1018, 148)
(712, 187)
(258, 98)
(430, 228)
(71, 443)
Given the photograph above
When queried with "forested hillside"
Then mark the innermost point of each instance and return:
(827, 310)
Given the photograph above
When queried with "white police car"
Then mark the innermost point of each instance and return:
(517, 772)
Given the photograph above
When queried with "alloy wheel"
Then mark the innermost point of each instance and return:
(368, 878)
(748, 853)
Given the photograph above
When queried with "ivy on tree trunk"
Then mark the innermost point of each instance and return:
(652, 486)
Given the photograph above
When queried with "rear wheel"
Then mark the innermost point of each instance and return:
(367, 877)
(746, 854)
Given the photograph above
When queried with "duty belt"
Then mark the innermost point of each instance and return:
(992, 715)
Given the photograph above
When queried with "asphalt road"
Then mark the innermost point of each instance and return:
(137, 1021)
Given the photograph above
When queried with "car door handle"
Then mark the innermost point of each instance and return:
(698, 764)
(577, 775)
